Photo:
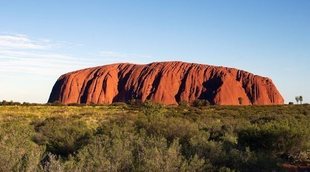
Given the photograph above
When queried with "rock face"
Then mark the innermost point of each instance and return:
(164, 82)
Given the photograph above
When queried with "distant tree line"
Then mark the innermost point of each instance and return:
(136, 102)
(11, 103)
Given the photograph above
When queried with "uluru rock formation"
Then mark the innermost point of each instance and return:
(166, 83)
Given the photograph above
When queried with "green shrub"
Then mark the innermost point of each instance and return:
(168, 127)
(183, 104)
(276, 137)
(18, 152)
(200, 103)
(108, 151)
(61, 136)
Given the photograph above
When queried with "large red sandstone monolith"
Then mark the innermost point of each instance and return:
(164, 82)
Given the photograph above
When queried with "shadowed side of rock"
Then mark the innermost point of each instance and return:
(166, 83)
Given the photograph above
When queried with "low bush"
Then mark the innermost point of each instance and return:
(200, 103)
(61, 136)
(278, 138)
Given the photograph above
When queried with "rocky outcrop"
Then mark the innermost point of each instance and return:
(166, 83)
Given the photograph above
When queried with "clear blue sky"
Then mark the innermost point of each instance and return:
(40, 40)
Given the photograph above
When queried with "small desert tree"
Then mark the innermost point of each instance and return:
(300, 99)
(297, 99)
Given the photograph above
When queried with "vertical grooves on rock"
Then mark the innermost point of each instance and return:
(155, 84)
(88, 84)
(182, 86)
(122, 91)
(166, 82)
